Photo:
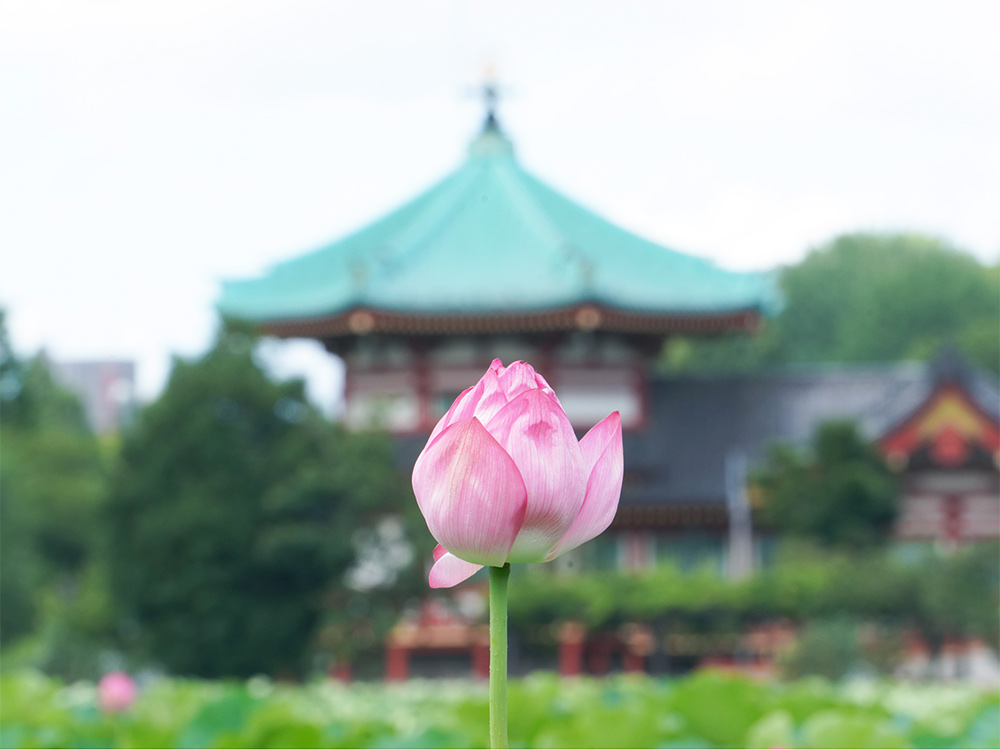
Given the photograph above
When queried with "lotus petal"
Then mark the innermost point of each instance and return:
(449, 570)
(517, 378)
(603, 457)
(535, 431)
(471, 493)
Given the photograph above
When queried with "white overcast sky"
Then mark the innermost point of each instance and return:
(150, 149)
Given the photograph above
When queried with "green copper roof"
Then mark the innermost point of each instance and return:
(492, 238)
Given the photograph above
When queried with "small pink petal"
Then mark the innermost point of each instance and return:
(600, 436)
(464, 405)
(536, 433)
(543, 385)
(602, 452)
(439, 552)
(450, 570)
(482, 400)
(517, 378)
(470, 493)
(492, 400)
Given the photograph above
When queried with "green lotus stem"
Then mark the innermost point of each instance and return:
(498, 656)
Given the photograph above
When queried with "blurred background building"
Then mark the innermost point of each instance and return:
(490, 262)
(106, 390)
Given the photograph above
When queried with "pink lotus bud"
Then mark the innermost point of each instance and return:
(503, 479)
(115, 692)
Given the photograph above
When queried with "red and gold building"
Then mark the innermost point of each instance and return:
(947, 450)
(491, 262)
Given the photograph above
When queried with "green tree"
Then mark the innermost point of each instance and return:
(868, 298)
(234, 508)
(840, 493)
(958, 594)
(53, 483)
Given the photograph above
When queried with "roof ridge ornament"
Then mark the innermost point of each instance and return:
(491, 140)
(490, 91)
(491, 95)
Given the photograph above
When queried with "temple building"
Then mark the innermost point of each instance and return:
(947, 448)
(936, 423)
(491, 262)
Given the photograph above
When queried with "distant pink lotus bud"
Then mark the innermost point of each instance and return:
(503, 479)
(116, 692)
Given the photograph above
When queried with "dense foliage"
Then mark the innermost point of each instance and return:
(234, 508)
(839, 493)
(942, 596)
(867, 298)
(53, 482)
(705, 710)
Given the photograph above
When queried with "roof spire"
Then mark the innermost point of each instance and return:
(491, 94)
(491, 141)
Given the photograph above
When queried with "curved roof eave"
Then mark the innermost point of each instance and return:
(490, 239)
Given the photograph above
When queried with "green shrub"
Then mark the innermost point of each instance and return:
(952, 595)
(828, 648)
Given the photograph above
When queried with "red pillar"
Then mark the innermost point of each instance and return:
(953, 519)
(481, 661)
(571, 637)
(600, 655)
(633, 662)
(422, 385)
(638, 642)
(397, 662)
(341, 670)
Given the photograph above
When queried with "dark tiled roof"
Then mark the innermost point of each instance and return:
(696, 421)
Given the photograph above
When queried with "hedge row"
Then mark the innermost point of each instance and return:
(954, 595)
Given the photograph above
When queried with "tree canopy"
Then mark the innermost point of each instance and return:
(234, 508)
(53, 483)
(840, 493)
(868, 298)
